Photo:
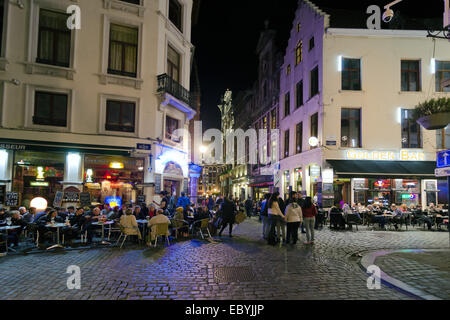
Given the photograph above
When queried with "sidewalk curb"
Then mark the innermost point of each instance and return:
(369, 260)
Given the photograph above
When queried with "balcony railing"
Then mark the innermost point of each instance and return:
(168, 85)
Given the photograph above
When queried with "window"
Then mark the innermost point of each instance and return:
(351, 128)
(123, 51)
(171, 126)
(286, 144)
(442, 74)
(265, 122)
(411, 76)
(2, 14)
(137, 2)
(443, 138)
(315, 125)
(120, 116)
(411, 131)
(314, 81)
(351, 74)
(287, 104)
(50, 109)
(175, 14)
(299, 27)
(299, 138)
(173, 64)
(274, 119)
(274, 151)
(288, 70)
(311, 44)
(299, 94)
(299, 53)
(54, 39)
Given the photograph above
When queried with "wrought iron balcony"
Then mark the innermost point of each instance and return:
(168, 85)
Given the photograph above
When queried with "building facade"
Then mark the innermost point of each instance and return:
(95, 110)
(347, 132)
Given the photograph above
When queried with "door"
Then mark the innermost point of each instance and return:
(172, 186)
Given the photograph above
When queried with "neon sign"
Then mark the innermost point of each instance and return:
(403, 155)
(409, 196)
(113, 201)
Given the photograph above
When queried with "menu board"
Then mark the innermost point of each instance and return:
(71, 197)
(85, 199)
(12, 199)
(157, 183)
(2, 194)
(58, 199)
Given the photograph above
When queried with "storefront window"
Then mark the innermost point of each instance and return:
(113, 177)
(286, 183)
(360, 187)
(38, 174)
(299, 180)
(407, 192)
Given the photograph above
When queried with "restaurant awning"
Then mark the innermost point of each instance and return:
(383, 168)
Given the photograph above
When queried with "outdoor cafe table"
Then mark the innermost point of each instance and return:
(56, 226)
(108, 223)
(145, 223)
(7, 228)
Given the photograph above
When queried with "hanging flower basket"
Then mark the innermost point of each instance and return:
(433, 114)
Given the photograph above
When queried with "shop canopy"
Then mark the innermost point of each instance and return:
(383, 168)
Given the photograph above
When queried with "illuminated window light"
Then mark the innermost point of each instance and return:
(340, 63)
(116, 165)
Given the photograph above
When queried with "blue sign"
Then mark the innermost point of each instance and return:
(146, 147)
(114, 201)
(443, 159)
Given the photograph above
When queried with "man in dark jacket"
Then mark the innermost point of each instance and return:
(228, 215)
(249, 207)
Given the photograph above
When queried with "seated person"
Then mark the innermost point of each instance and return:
(42, 222)
(178, 222)
(29, 216)
(189, 213)
(3, 216)
(399, 214)
(152, 211)
(92, 217)
(337, 218)
(16, 220)
(114, 214)
(129, 224)
(160, 218)
(139, 214)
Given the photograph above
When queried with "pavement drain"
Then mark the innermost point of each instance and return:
(233, 274)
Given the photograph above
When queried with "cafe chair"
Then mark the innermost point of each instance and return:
(125, 232)
(201, 225)
(353, 220)
(179, 225)
(161, 230)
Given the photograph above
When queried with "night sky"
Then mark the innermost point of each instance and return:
(228, 31)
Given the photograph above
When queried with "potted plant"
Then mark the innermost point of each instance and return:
(433, 114)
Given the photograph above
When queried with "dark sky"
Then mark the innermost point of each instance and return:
(228, 31)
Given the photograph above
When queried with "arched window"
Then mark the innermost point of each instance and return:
(299, 53)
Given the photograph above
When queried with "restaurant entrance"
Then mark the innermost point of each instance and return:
(172, 187)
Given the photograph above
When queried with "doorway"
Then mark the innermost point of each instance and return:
(172, 186)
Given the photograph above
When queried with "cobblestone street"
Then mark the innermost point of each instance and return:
(201, 270)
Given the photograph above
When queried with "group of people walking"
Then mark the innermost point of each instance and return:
(283, 219)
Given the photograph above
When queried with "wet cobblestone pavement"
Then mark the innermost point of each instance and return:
(426, 271)
(202, 270)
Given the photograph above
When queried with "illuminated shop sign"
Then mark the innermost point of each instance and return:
(409, 196)
(39, 184)
(114, 201)
(403, 155)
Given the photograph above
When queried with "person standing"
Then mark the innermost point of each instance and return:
(301, 203)
(249, 207)
(294, 217)
(228, 216)
(183, 201)
(276, 218)
(309, 216)
(264, 214)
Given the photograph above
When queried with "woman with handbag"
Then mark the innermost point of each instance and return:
(276, 218)
(309, 215)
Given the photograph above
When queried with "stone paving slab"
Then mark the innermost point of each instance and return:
(185, 270)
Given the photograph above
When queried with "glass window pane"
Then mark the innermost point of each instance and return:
(43, 103)
(128, 115)
(113, 113)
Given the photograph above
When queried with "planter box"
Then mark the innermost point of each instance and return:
(435, 121)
